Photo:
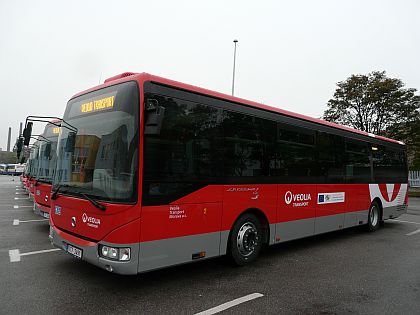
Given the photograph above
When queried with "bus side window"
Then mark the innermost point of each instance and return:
(357, 162)
(330, 149)
(295, 152)
(249, 144)
(389, 164)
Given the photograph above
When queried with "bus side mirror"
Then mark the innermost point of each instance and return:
(19, 147)
(70, 142)
(27, 132)
(154, 121)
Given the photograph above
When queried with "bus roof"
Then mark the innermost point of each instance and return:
(142, 77)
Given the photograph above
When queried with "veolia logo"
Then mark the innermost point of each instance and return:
(90, 220)
(298, 199)
(288, 197)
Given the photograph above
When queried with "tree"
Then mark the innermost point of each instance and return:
(380, 105)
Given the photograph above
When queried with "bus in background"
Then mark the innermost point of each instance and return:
(33, 169)
(19, 169)
(46, 169)
(158, 173)
(23, 176)
(3, 169)
(14, 169)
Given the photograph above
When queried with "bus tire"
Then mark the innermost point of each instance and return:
(374, 217)
(245, 241)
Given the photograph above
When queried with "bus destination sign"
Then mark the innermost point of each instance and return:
(98, 105)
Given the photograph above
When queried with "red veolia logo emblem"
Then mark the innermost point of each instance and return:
(384, 192)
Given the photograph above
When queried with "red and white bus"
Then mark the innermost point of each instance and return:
(157, 173)
(46, 168)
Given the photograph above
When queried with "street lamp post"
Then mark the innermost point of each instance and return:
(234, 61)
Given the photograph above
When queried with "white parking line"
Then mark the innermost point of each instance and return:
(20, 193)
(230, 304)
(15, 255)
(17, 198)
(17, 207)
(406, 221)
(17, 222)
(412, 233)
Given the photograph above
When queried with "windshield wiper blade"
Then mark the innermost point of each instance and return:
(42, 180)
(55, 192)
(93, 201)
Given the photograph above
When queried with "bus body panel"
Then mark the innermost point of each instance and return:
(186, 231)
(393, 198)
(42, 201)
(240, 198)
(80, 217)
(42, 210)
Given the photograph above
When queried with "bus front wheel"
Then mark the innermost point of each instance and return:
(245, 241)
(374, 217)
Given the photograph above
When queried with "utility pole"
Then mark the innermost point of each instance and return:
(235, 41)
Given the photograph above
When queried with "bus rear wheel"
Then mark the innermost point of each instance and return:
(374, 217)
(245, 241)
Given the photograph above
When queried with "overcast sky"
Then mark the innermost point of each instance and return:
(290, 53)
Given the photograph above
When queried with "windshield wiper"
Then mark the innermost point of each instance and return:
(93, 201)
(42, 180)
(55, 192)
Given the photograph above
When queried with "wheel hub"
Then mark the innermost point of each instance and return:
(247, 239)
(374, 216)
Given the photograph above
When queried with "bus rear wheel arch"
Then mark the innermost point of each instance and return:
(246, 239)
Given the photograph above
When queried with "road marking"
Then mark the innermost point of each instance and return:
(17, 222)
(19, 193)
(230, 304)
(406, 221)
(17, 207)
(17, 198)
(412, 233)
(15, 255)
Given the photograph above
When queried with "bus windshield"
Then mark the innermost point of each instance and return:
(97, 151)
(47, 153)
(33, 160)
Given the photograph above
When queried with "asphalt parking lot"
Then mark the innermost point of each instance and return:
(344, 272)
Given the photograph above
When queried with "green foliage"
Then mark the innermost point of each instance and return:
(380, 105)
(7, 157)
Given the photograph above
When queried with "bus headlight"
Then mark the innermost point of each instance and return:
(115, 253)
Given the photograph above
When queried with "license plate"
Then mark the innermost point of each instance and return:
(76, 252)
(46, 215)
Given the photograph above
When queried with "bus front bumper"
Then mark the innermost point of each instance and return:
(89, 251)
(41, 210)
